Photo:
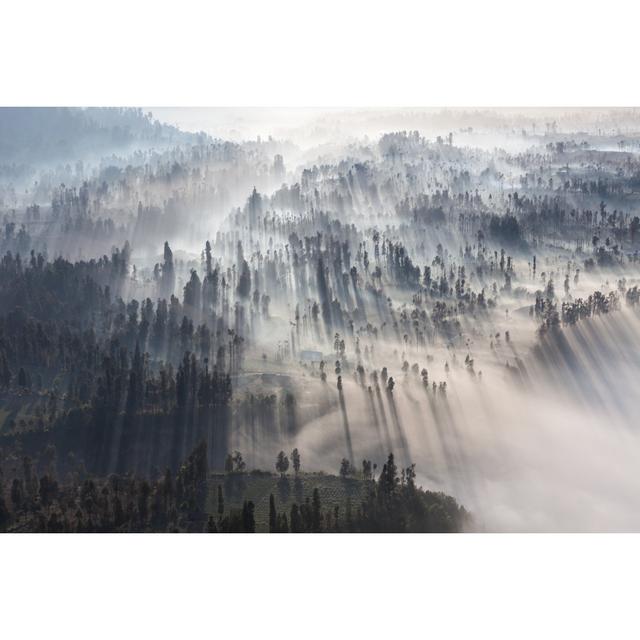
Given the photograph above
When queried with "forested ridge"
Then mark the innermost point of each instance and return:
(193, 500)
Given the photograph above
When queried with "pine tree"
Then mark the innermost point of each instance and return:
(272, 515)
(316, 514)
(283, 525)
(248, 520)
(220, 501)
(5, 516)
(296, 520)
(282, 463)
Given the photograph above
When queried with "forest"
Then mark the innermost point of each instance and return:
(437, 311)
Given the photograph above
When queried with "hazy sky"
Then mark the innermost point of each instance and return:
(234, 123)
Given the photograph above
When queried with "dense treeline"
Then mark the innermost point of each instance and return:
(37, 500)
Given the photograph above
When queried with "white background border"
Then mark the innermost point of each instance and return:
(322, 53)
(319, 586)
(329, 53)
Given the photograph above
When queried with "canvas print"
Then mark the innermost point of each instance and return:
(218, 320)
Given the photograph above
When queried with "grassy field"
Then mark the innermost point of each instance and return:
(257, 486)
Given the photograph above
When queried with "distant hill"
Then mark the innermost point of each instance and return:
(35, 135)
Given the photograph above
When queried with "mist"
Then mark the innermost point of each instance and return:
(456, 286)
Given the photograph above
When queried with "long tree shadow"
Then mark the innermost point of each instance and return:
(376, 422)
(284, 488)
(383, 415)
(451, 461)
(465, 462)
(298, 489)
(345, 423)
(399, 428)
(235, 484)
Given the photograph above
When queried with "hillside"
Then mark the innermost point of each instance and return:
(64, 134)
(195, 500)
(334, 492)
